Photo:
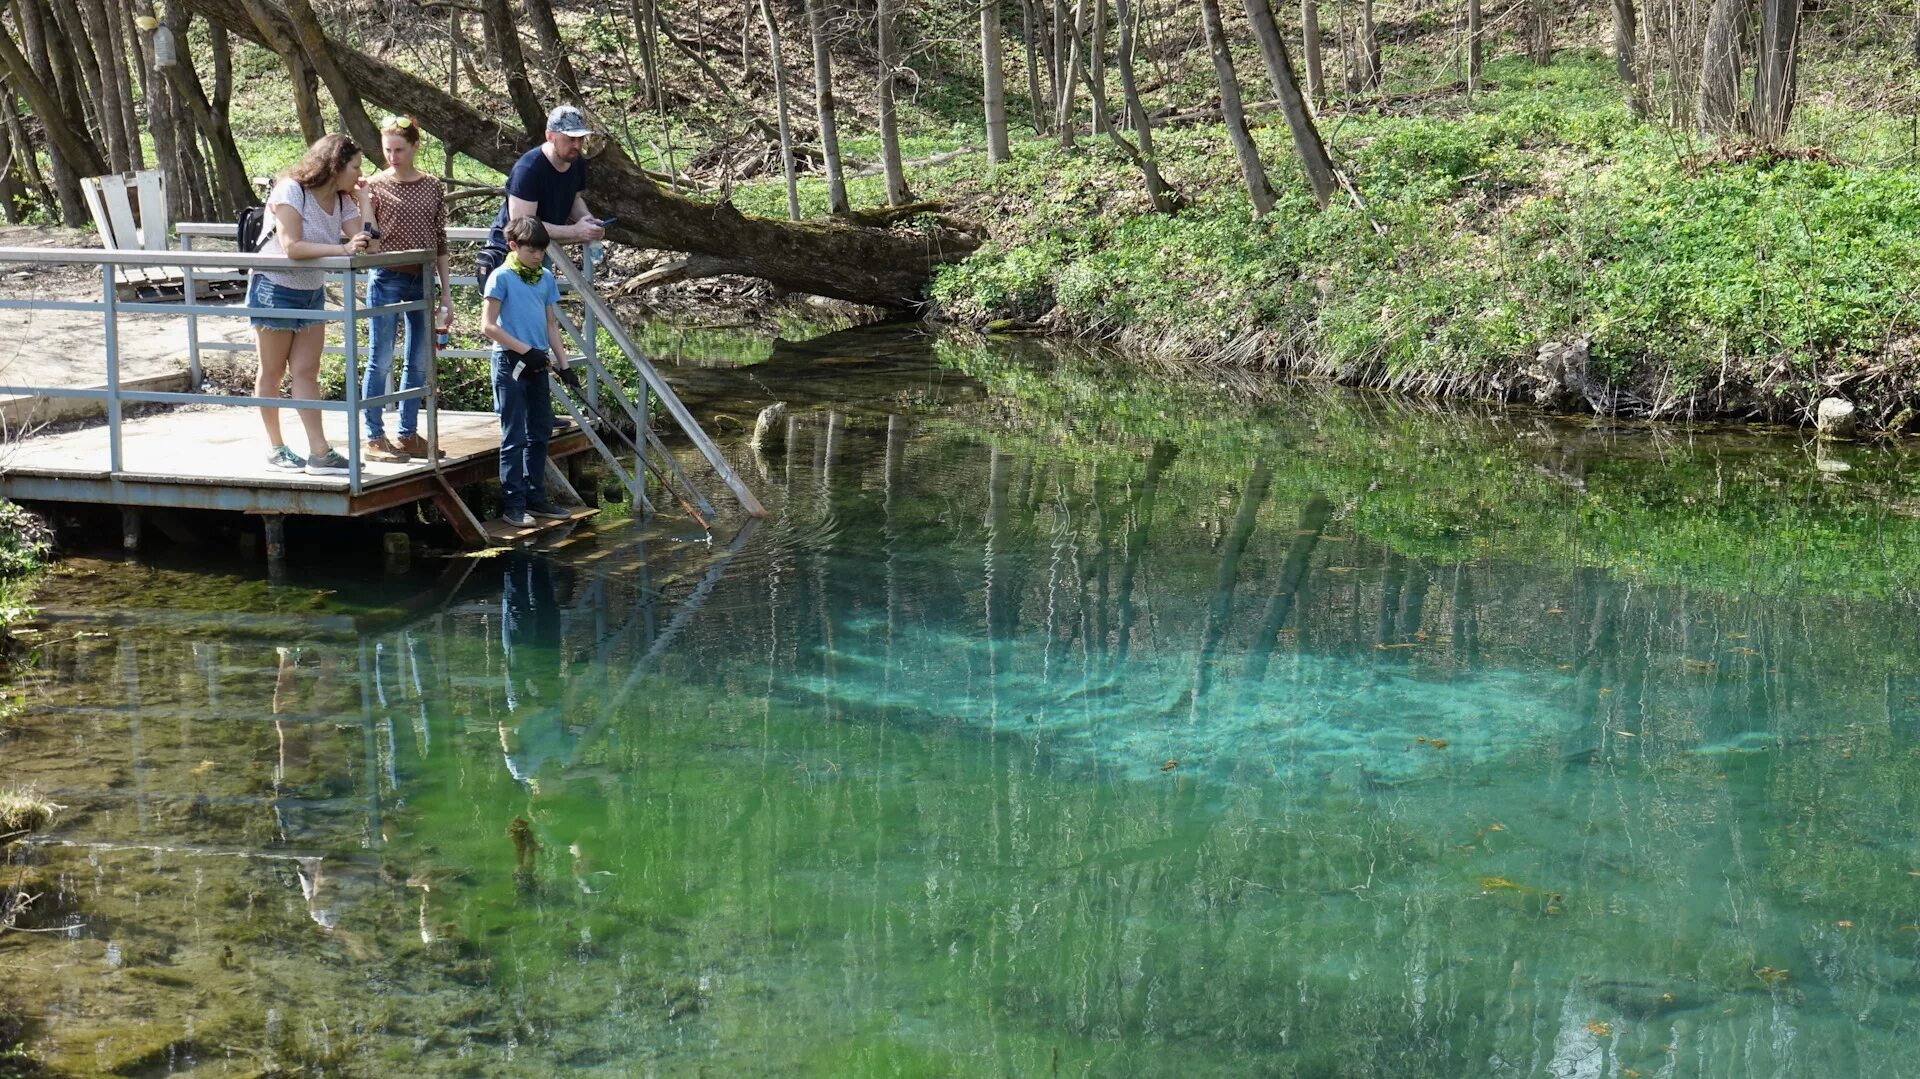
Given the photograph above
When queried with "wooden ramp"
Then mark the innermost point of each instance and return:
(215, 458)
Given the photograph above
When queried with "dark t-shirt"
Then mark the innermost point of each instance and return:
(534, 179)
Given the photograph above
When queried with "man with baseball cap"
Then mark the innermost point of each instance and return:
(548, 182)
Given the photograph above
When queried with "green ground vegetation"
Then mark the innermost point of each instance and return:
(1744, 283)
(24, 544)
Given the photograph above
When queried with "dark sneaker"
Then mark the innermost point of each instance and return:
(329, 463)
(518, 520)
(285, 460)
(386, 449)
(548, 510)
(416, 446)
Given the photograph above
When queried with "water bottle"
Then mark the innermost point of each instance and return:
(440, 339)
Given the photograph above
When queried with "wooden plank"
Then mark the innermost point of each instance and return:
(560, 487)
(90, 190)
(152, 185)
(465, 525)
(502, 534)
(113, 194)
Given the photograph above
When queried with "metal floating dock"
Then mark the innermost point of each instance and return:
(209, 452)
(216, 459)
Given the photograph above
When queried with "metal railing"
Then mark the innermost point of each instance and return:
(584, 335)
(196, 268)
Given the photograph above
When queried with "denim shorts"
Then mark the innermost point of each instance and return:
(264, 293)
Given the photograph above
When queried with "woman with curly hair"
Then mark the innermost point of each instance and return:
(315, 211)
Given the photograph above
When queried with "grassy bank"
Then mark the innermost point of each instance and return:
(1706, 281)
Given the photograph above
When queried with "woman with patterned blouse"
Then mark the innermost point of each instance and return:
(411, 210)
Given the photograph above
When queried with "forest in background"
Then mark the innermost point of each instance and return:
(1671, 208)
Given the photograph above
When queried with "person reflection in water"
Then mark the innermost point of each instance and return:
(534, 736)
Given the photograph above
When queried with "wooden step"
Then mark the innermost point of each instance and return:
(502, 534)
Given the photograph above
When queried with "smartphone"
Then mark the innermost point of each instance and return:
(607, 222)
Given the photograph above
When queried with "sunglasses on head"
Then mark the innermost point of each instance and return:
(397, 121)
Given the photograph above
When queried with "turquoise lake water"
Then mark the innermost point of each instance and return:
(1058, 721)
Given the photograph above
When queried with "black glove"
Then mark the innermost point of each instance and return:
(534, 360)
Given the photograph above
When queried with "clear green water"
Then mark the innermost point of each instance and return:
(1057, 722)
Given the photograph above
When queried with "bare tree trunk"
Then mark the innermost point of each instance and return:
(1623, 26)
(300, 74)
(1314, 160)
(1476, 48)
(540, 13)
(1231, 111)
(1721, 62)
(1626, 61)
(1540, 40)
(1776, 69)
(896, 173)
(644, 31)
(1057, 57)
(1037, 103)
(86, 37)
(13, 193)
(26, 161)
(175, 150)
(1097, 66)
(1310, 48)
(780, 106)
(1070, 50)
(66, 82)
(993, 64)
(823, 99)
(69, 153)
(227, 173)
(504, 33)
(1370, 71)
(313, 41)
(1164, 200)
(120, 38)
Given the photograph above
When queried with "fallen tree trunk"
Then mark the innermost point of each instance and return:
(845, 261)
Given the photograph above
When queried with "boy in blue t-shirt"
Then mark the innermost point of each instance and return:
(522, 308)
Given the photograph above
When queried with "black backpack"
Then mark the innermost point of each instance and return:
(249, 231)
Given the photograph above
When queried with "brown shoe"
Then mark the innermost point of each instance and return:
(386, 449)
(417, 446)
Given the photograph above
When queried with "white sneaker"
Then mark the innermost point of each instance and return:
(519, 520)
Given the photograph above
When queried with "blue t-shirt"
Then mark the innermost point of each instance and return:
(523, 307)
(533, 178)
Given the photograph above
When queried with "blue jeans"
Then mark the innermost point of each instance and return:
(525, 406)
(389, 287)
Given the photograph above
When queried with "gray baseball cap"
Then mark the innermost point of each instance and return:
(569, 120)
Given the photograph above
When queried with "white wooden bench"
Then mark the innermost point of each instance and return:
(130, 210)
